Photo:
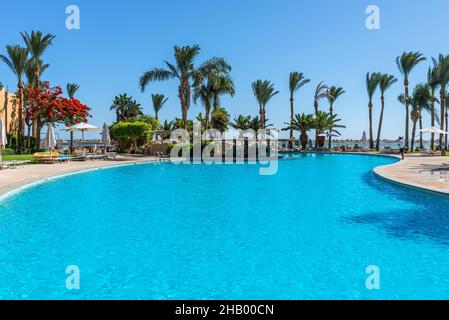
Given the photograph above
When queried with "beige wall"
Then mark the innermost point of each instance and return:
(6, 108)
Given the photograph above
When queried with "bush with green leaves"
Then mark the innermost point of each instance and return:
(131, 135)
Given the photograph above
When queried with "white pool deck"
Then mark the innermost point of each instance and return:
(427, 173)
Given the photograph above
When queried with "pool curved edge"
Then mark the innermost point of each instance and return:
(26, 186)
(380, 173)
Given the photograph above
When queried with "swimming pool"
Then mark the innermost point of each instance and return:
(165, 231)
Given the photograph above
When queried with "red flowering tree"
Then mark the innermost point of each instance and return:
(45, 104)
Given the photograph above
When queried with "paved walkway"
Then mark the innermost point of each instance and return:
(430, 173)
(11, 179)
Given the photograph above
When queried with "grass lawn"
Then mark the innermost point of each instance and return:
(17, 157)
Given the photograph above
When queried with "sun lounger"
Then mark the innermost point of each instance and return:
(428, 153)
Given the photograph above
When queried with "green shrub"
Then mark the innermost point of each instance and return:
(5, 152)
(131, 134)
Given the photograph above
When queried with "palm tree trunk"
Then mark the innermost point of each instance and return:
(407, 116)
(206, 120)
(71, 141)
(6, 111)
(38, 134)
(432, 121)
(262, 118)
(382, 99)
(421, 144)
(447, 124)
(29, 137)
(290, 143)
(371, 141)
(20, 118)
(413, 136)
(442, 104)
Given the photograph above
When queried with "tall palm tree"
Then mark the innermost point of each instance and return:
(386, 81)
(222, 84)
(333, 94)
(442, 77)
(263, 91)
(372, 82)
(16, 61)
(446, 115)
(72, 88)
(158, 102)
(30, 74)
(419, 100)
(296, 81)
(204, 93)
(321, 92)
(31, 82)
(37, 43)
(302, 123)
(184, 70)
(406, 63)
(432, 82)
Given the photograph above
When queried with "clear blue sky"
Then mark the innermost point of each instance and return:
(261, 39)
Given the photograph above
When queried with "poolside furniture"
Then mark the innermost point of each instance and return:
(110, 156)
(428, 153)
(14, 163)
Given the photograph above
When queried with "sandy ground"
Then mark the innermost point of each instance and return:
(431, 173)
(11, 179)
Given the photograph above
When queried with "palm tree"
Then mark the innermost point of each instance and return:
(325, 122)
(184, 70)
(222, 84)
(372, 82)
(432, 83)
(16, 61)
(125, 107)
(72, 88)
(420, 100)
(296, 81)
(321, 92)
(241, 123)
(406, 63)
(30, 74)
(31, 82)
(333, 95)
(302, 123)
(37, 43)
(204, 93)
(167, 127)
(263, 91)
(442, 78)
(220, 119)
(386, 81)
(158, 102)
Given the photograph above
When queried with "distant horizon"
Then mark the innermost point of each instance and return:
(324, 40)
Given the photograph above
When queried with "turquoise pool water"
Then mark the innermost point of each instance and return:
(165, 231)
